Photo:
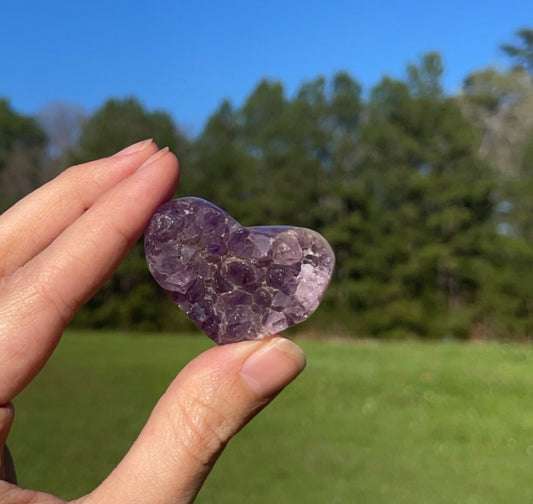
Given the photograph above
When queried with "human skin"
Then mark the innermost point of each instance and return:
(57, 247)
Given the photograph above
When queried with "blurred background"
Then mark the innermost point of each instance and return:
(402, 131)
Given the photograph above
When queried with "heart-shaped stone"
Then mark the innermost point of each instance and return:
(236, 283)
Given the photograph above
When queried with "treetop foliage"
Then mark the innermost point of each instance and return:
(521, 52)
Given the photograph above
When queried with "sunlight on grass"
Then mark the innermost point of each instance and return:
(366, 422)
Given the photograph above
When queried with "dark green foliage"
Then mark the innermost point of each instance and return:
(424, 79)
(130, 299)
(396, 186)
(522, 52)
(17, 131)
(413, 214)
(220, 168)
(119, 123)
(22, 144)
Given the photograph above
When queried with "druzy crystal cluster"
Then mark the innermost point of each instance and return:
(236, 283)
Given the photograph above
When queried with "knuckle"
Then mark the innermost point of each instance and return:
(74, 181)
(201, 428)
(43, 291)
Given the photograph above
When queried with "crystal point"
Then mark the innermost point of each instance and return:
(236, 283)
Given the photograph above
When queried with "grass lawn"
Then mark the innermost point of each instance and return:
(365, 423)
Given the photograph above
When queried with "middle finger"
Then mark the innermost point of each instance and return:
(34, 222)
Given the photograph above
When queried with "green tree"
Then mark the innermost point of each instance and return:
(424, 79)
(22, 144)
(271, 161)
(500, 105)
(221, 171)
(119, 123)
(131, 298)
(298, 146)
(418, 267)
(521, 52)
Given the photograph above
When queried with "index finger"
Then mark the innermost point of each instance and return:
(35, 221)
(40, 298)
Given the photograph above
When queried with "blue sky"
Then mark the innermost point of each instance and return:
(187, 56)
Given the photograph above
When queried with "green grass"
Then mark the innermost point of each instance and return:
(366, 422)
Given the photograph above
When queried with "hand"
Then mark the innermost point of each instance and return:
(57, 247)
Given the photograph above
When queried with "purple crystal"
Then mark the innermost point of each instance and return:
(236, 283)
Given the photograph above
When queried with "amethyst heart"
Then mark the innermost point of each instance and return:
(236, 283)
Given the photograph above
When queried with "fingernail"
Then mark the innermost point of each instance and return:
(273, 366)
(153, 157)
(136, 147)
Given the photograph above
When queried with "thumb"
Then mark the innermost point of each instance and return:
(210, 400)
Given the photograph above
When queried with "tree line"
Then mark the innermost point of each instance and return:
(426, 197)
